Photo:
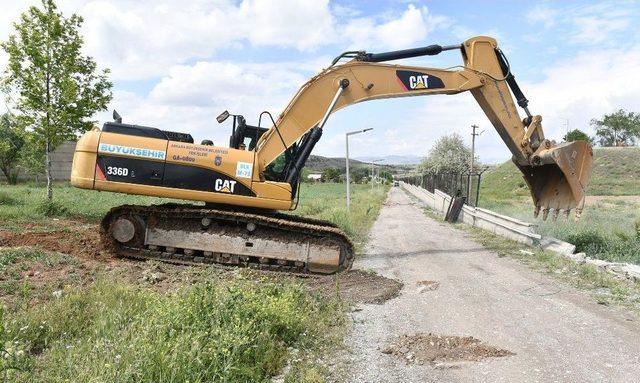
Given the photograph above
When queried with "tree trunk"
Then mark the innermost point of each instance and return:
(48, 173)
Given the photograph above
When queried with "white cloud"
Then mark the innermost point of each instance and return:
(589, 24)
(411, 27)
(305, 25)
(542, 14)
(598, 29)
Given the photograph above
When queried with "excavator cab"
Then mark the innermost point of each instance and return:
(243, 136)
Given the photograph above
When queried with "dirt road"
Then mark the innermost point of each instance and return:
(540, 329)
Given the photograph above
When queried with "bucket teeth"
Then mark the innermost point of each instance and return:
(555, 214)
(567, 212)
(536, 212)
(578, 213)
(545, 214)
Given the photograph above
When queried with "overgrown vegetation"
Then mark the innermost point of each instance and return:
(232, 330)
(607, 228)
(104, 326)
(328, 202)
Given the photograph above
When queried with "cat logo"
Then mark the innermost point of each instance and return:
(415, 81)
(418, 82)
(225, 186)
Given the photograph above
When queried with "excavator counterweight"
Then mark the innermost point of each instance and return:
(245, 184)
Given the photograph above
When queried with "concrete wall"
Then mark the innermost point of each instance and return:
(499, 224)
(520, 231)
(61, 160)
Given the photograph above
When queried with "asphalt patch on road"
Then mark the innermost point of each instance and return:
(357, 286)
(434, 349)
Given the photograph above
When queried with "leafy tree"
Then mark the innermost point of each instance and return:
(358, 174)
(620, 128)
(577, 135)
(57, 88)
(32, 157)
(331, 175)
(12, 139)
(448, 155)
(386, 175)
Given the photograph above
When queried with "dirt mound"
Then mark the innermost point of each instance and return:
(431, 348)
(427, 286)
(80, 242)
(357, 286)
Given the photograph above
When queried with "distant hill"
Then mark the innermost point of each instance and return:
(616, 171)
(393, 159)
(319, 163)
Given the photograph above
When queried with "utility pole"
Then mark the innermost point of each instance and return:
(473, 155)
(346, 136)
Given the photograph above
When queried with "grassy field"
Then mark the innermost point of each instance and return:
(610, 224)
(96, 320)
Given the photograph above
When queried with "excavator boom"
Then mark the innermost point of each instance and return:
(244, 184)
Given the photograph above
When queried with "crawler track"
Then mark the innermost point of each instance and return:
(189, 234)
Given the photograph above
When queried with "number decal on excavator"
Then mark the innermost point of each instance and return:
(117, 171)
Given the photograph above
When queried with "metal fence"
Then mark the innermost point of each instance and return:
(454, 184)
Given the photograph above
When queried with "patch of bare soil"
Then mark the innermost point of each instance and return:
(76, 241)
(432, 348)
(427, 286)
(357, 286)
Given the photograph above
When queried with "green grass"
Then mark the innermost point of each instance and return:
(235, 330)
(610, 223)
(328, 201)
(231, 327)
(29, 202)
(615, 172)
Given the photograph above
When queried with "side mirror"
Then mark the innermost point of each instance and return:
(222, 117)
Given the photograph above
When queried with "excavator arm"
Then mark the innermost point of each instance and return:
(557, 175)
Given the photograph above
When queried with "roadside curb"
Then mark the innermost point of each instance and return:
(519, 231)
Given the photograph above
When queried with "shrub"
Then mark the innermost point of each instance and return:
(232, 330)
(7, 200)
(590, 242)
(51, 209)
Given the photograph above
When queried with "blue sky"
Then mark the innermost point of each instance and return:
(176, 64)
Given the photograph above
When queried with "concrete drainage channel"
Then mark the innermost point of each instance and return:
(517, 230)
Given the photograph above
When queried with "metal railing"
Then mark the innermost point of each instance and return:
(455, 184)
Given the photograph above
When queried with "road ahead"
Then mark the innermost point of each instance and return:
(558, 334)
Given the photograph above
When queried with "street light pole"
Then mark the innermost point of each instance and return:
(372, 166)
(346, 136)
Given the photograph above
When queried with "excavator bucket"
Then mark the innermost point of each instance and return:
(559, 178)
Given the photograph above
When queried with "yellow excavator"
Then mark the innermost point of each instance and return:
(243, 186)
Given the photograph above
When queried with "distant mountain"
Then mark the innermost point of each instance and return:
(319, 163)
(393, 159)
